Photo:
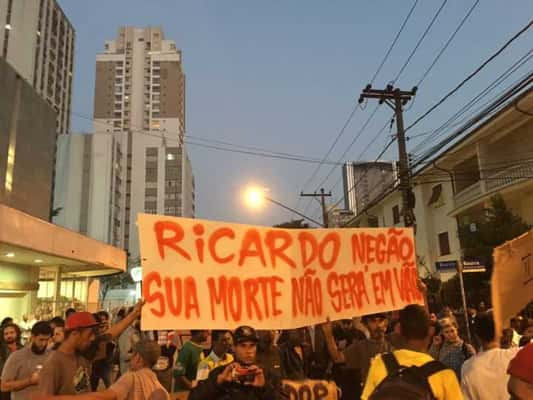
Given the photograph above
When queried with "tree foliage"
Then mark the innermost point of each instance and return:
(498, 225)
(122, 280)
(293, 224)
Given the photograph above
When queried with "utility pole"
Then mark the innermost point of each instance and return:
(322, 196)
(396, 99)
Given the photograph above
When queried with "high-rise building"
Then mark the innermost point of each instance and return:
(140, 85)
(364, 181)
(135, 160)
(37, 39)
(98, 197)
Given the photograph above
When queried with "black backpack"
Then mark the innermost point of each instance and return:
(406, 383)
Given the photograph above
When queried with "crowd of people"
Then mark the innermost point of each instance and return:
(380, 356)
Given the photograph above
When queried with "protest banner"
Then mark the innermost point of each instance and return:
(203, 274)
(512, 278)
(310, 390)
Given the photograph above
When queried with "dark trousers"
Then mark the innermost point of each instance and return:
(102, 372)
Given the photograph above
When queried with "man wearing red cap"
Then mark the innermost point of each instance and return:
(520, 385)
(67, 369)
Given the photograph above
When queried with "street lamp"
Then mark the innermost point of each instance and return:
(255, 197)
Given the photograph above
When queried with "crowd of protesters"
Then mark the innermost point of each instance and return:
(385, 354)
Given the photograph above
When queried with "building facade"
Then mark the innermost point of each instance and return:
(140, 85)
(27, 143)
(43, 268)
(37, 40)
(100, 196)
(363, 181)
(456, 187)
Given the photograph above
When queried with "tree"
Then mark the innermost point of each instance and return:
(293, 224)
(121, 280)
(498, 225)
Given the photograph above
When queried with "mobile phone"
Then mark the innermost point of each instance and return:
(245, 373)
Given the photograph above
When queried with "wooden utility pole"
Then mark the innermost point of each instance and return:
(396, 99)
(322, 196)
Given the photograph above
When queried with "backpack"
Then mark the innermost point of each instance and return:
(406, 383)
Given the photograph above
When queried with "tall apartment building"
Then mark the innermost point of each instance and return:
(140, 85)
(37, 40)
(363, 181)
(135, 160)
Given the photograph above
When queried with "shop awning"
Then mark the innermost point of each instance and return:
(27, 240)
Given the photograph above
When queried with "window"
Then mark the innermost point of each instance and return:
(436, 196)
(444, 244)
(396, 215)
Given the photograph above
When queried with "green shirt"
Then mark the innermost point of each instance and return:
(189, 357)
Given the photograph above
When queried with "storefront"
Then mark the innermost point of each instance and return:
(45, 268)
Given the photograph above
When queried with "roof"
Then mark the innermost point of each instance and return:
(33, 241)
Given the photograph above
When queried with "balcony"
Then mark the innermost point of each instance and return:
(491, 184)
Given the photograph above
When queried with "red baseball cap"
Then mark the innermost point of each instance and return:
(80, 320)
(521, 366)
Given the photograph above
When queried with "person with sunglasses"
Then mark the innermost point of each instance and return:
(67, 370)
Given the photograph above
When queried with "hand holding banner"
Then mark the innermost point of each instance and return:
(202, 274)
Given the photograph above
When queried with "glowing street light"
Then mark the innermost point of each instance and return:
(255, 197)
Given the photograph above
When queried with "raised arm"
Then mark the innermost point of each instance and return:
(115, 330)
(336, 355)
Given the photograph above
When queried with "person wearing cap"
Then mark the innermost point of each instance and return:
(21, 372)
(520, 369)
(139, 383)
(240, 380)
(67, 370)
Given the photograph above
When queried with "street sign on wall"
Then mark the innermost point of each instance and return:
(473, 265)
(444, 266)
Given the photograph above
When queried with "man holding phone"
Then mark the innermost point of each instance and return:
(242, 379)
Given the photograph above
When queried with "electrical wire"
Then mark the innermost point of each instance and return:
(385, 58)
(470, 76)
(413, 52)
(501, 78)
(378, 70)
(441, 52)
(493, 108)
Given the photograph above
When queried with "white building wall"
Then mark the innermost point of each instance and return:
(21, 49)
(68, 180)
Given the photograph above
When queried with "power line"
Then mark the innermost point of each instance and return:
(502, 77)
(420, 41)
(465, 18)
(332, 146)
(356, 137)
(385, 58)
(394, 42)
(469, 77)
(265, 153)
(475, 111)
(493, 108)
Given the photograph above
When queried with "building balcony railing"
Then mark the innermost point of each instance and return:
(494, 183)
(511, 175)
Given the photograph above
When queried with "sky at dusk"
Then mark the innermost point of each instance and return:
(285, 76)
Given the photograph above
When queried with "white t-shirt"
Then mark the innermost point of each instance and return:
(139, 385)
(484, 376)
